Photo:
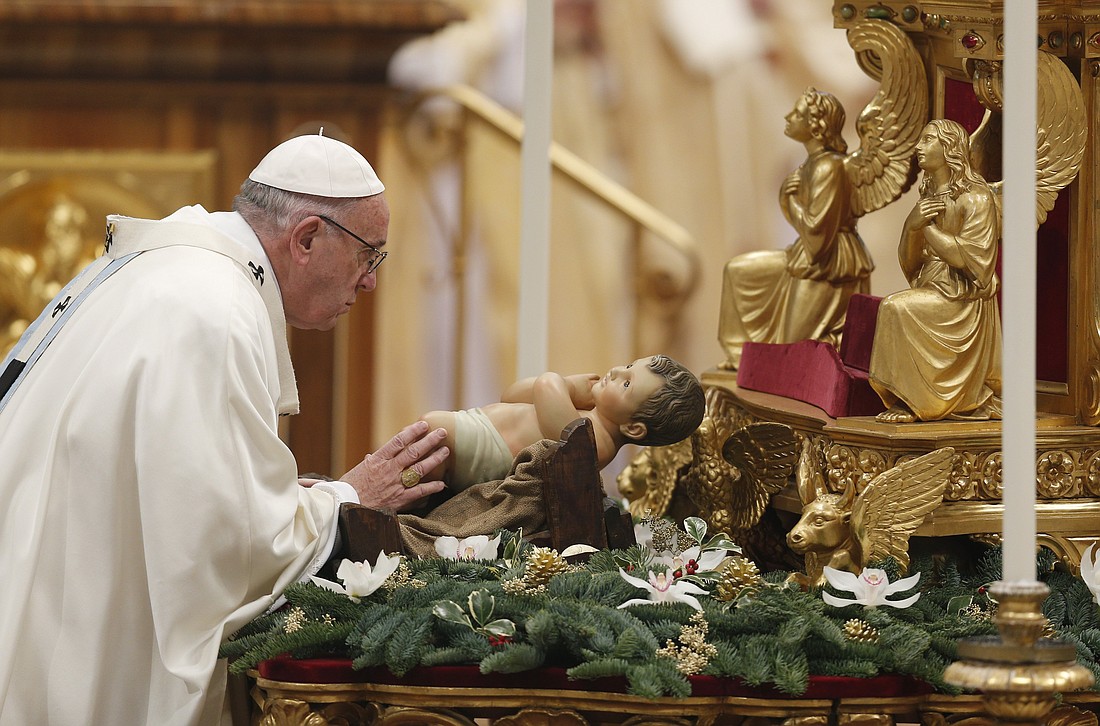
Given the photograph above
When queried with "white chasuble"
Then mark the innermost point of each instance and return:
(149, 507)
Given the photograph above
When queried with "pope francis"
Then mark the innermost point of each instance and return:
(149, 507)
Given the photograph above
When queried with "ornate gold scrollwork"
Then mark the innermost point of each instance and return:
(1057, 475)
(1090, 403)
(849, 467)
(665, 721)
(542, 717)
(407, 716)
(290, 712)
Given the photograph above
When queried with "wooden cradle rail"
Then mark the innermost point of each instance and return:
(461, 696)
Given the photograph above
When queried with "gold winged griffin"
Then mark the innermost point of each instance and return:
(724, 472)
(849, 530)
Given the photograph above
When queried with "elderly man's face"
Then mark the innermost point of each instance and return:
(338, 269)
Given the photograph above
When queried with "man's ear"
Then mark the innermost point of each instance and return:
(302, 237)
(634, 430)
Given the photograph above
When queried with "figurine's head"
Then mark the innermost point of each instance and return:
(823, 117)
(656, 400)
(945, 144)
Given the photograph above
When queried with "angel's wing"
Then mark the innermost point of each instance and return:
(889, 126)
(896, 502)
(651, 476)
(765, 454)
(1061, 133)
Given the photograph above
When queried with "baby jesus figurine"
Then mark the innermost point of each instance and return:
(653, 401)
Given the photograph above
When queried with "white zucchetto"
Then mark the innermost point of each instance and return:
(315, 164)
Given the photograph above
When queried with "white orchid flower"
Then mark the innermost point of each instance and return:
(1089, 573)
(870, 588)
(478, 547)
(663, 587)
(643, 535)
(359, 578)
(704, 561)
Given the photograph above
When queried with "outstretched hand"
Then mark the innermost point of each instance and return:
(377, 478)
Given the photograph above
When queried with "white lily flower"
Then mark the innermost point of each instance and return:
(707, 561)
(870, 588)
(359, 578)
(478, 547)
(1089, 572)
(663, 587)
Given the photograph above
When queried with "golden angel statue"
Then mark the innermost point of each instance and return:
(802, 292)
(937, 348)
(848, 531)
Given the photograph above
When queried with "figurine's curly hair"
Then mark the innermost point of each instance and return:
(826, 119)
(955, 142)
(676, 409)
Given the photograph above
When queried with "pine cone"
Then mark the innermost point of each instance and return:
(739, 574)
(542, 564)
(860, 631)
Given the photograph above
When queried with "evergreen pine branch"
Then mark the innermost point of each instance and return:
(317, 601)
(371, 645)
(726, 660)
(903, 645)
(602, 668)
(409, 642)
(843, 667)
(757, 660)
(1081, 608)
(513, 658)
(541, 630)
(656, 679)
(990, 566)
(311, 639)
(794, 631)
(1054, 607)
(792, 672)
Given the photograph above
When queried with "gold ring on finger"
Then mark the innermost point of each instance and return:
(409, 478)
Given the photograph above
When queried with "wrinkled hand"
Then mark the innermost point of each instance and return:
(377, 478)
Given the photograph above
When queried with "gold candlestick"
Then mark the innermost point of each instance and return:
(1018, 672)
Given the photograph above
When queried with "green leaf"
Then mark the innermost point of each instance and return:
(722, 542)
(500, 628)
(481, 605)
(958, 603)
(450, 611)
(696, 528)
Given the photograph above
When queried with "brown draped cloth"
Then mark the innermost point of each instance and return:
(513, 503)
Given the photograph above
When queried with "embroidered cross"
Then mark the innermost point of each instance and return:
(60, 307)
(257, 271)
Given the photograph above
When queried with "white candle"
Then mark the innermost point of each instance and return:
(534, 258)
(1018, 285)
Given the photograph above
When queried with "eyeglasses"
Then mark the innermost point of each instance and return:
(377, 255)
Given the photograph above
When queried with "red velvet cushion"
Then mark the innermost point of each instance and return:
(859, 331)
(339, 670)
(809, 371)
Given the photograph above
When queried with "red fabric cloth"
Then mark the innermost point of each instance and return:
(809, 371)
(339, 670)
(859, 331)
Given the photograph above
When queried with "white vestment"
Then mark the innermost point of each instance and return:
(149, 508)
